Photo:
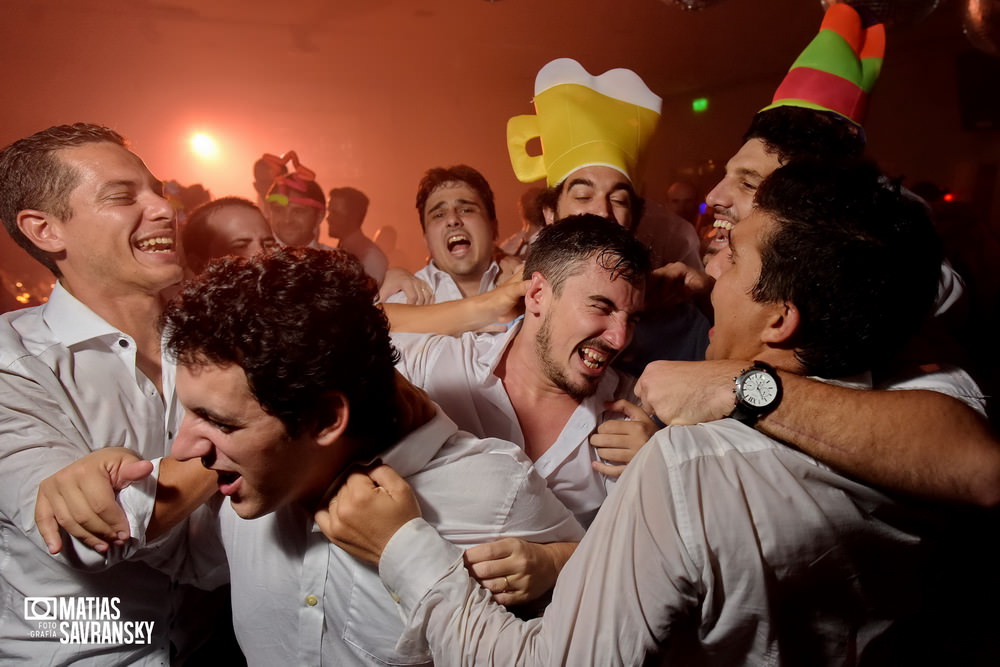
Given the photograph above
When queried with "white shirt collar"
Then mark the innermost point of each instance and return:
(71, 320)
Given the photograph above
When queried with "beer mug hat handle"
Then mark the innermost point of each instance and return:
(521, 130)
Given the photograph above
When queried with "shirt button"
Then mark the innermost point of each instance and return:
(123, 342)
(312, 600)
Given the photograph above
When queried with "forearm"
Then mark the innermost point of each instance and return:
(452, 318)
(181, 488)
(920, 442)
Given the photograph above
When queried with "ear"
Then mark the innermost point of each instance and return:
(549, 214)
(340, 412)
(782, 323)
(538, 292)
(42, 229)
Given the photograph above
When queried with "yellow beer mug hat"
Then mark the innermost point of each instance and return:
(583, 120)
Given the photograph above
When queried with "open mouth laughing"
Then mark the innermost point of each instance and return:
(723, 224)
(595, 358)
(156, 244)
(459, 243)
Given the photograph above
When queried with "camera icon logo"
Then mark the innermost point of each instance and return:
(40, 609)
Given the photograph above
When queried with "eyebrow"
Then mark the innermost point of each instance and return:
(208, 415)
(579, 181)
(444, 202)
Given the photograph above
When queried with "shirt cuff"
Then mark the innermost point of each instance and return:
(415, 559)
(137, 501)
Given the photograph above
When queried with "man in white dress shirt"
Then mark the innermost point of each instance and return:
(547, 384)
(720, 545)
(458, 219)
(78, 374)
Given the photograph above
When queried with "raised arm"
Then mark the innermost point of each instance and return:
(920, 442)
(498, 306)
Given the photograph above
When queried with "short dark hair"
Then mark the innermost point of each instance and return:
(858, 257)
(460, 173)
(195, 235)
(33, 177)
(352, 195)
(797, 133)
(301, 323)
(563, 249)
(548, 198)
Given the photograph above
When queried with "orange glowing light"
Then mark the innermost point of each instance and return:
(949, 197)
(204, 146)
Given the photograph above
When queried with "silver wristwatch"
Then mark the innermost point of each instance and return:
(758, 391)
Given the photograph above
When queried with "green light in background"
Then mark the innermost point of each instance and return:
(699, 105)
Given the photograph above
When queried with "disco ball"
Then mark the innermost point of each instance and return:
(981, 24)
(892, 13)
(690, 5)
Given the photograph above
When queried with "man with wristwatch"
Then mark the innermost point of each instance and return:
(923, 430)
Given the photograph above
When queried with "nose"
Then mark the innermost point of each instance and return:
(601, 206)
(619, 332)
(189, 444)
(159, 208)
(719, 196)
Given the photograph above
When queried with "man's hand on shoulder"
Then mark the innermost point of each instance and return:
(418, 292)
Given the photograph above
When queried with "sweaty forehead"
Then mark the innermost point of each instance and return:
(753, 159)
(104, 162)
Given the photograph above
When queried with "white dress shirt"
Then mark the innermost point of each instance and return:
(458, 374)
(444, 286)
(719, 546)
(69, 385)
(298, 599)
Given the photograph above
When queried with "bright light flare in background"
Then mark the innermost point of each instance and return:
(204, 146)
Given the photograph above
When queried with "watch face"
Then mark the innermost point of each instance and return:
(759, 389)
